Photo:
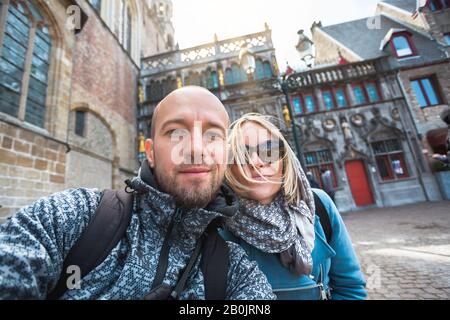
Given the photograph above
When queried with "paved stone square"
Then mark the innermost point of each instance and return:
(404, 251)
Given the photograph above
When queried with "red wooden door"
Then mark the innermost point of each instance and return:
(359, 184)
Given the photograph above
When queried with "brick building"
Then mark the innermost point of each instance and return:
(68, 96)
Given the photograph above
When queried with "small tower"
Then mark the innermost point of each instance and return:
(163, 11)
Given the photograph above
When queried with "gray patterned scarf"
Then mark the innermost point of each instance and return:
(280, 228)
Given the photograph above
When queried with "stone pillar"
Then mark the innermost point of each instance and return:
(350, 94)
(386, 93)
(319, 98)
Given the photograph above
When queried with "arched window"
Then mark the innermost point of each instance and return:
(209, 79)
(259, 73)
(267, 70)
(154, 91)
(403, 45)
(214, 80)
(263, 70)
(125, 25)
(238, 74)
(228, 76)
(24, 63)
(169, 85)
(128, 31)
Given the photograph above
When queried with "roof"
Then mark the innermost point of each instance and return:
(364, 37)
(407, 5)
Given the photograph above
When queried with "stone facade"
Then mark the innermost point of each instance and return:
(349, 137)
(397, 115)
(93, 70)
(215, 66)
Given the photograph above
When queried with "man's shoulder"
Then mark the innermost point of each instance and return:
(68, 202)
(75, 196)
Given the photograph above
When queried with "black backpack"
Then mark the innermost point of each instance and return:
(323, 217)
(108, 227)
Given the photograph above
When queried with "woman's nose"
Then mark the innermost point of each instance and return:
(256, 160)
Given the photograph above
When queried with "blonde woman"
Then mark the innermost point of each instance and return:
(277, 225)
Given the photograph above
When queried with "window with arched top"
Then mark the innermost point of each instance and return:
(238, 74)
(403, 45)
(259, 72)
(214, 80)
(169, 85)
(268, 73)
(263, 70)
(228, 76)
(210, 79)
(125, 34)
(25, 45)
(154, 91)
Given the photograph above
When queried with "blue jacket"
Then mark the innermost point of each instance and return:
(341, 272)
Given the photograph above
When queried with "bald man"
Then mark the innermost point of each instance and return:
(164, 251)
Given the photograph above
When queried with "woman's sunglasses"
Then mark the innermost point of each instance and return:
(269, 152)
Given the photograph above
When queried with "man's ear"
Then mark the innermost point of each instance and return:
(149, 143)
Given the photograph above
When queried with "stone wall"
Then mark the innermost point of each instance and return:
(31, 166)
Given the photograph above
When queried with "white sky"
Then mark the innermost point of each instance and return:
(196, 21)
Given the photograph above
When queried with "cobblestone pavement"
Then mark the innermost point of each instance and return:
(404, 251)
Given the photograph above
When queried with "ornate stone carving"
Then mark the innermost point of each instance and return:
(358, 120)
(329, 124)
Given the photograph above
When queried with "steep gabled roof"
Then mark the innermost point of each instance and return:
(365, 36)
(406, 5)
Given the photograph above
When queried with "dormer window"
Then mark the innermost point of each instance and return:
(436, 5)
(403, 45)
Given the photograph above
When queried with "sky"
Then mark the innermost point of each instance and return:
(196, 21)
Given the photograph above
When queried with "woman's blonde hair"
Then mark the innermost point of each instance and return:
(291, 166)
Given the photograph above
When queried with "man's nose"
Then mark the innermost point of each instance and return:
(197, 146)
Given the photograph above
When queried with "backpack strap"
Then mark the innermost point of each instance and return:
(214, 264)
(323, 217)
(105, 230)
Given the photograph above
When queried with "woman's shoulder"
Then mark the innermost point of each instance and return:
(324, 197)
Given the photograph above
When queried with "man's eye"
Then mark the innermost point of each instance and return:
(213, 136)
(177, 134)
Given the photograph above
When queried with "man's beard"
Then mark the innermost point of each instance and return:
(188, 196)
